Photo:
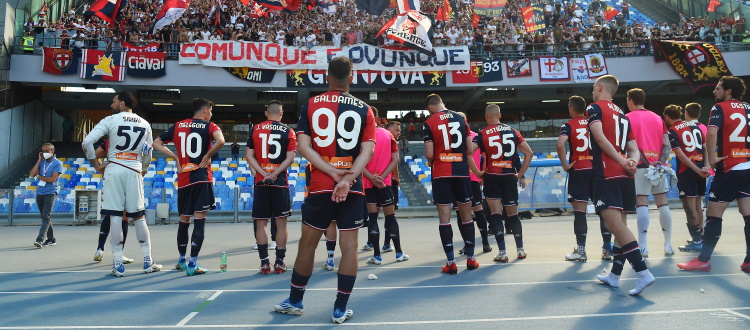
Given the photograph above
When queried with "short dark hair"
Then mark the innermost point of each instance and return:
(577, 103)
(673, 111)
(737, 85)
(433, 99)
(340, 68)
(199, 103)
(693, 110)
(374, 111)
(637, 95)
(392, 123)
(128, 98)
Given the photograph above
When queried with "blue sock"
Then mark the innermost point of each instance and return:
(193, 262)
(182, 258)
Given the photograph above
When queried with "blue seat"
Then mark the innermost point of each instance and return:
(246, 189)
(3, 208)
(297, 205)
(218, 206)
(34, 208)
(152, 206)
(23, 208)
(159, 184)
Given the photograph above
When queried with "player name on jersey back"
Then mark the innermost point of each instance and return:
(340, 99)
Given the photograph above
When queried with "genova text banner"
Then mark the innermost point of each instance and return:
(266, 55)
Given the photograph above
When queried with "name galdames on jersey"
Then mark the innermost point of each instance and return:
(270, 141)
(499, 143)
(192, 139)
(731, 118)
(337, 124)
(616, 129)
(689, 139)
(447, 131)
(577, 131)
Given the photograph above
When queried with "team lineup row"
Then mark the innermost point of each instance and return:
(615, 161)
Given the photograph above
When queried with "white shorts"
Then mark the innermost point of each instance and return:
(643, 186)
(122, 190)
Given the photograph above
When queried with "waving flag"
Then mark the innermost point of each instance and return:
(445, 12)
(44, 10)
(699, 63)
(407, 5)
(107, 10)
(257, 11)
(712, 5)
(609, 11)
(412, 29)
(170, 12)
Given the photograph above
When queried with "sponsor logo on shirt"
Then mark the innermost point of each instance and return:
(270, 167)
(502, 163)
(126, 156)
(339, 162)
(740, 153)
(451, 157)
(189, 167)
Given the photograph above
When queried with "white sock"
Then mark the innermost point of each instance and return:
(642, 216)
(665, 219)
(144, 238)
(115, 238)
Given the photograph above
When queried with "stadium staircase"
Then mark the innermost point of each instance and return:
(656, 10)
(414, 192)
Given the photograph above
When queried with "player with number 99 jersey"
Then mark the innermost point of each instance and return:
(192, 138)
(270, 141)
(447, 131)
(616, 129)
(731, 118)
(337, 124)
(577, 131)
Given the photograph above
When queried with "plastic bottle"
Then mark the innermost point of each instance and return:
(223, 262)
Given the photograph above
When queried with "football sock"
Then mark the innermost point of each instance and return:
(446, 238)
(115, 238)
(711, 235)
(103, 232)
(517, 230)
(468, 233)
(665, 219)
(606, 234)
(392, 229)
(298, 285)
(619, 260)
(345, 287)
(374, 233)
(182, 237)
(481, 225)
(642, 217)
(633, 254)
(198, 235)
(144, 238)
(580, 228)
(263, 253)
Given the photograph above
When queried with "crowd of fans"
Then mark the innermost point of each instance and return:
(571, 27)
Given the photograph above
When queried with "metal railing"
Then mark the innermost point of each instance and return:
(620, 48)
